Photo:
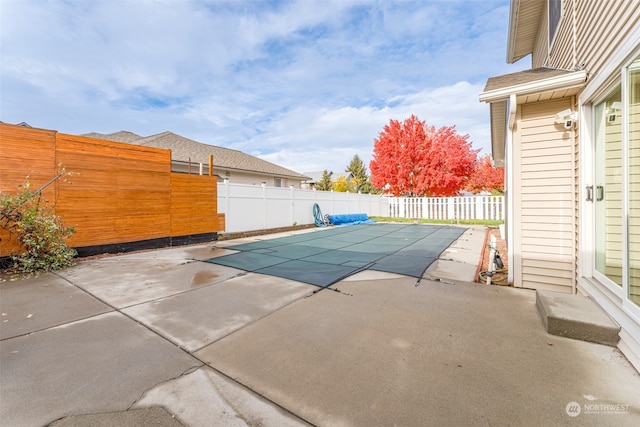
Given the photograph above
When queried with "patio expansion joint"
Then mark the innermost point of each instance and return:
(58, 325)
(119, 310)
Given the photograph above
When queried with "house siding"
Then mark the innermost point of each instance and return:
(545, 206)
(238, 177)
(540, 48)
(589, 31)
(601, 28)
(563, 44)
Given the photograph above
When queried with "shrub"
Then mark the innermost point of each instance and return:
(41, 233)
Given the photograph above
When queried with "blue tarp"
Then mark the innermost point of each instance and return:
(349, 219)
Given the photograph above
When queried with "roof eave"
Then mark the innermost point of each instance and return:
(511, 36)
(524, 18)
(566, 81)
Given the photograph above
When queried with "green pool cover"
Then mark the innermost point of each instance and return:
(325, 257)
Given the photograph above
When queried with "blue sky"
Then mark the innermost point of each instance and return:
(304, 84)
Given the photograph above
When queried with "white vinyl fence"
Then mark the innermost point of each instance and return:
(258, 207)
(449, 208)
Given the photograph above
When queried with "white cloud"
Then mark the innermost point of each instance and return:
(316, 139)
(305, 84)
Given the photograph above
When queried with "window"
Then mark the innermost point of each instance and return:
(278, 182)
(608, 199)
(555, 15)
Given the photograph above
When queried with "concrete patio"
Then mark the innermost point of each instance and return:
(162, 338)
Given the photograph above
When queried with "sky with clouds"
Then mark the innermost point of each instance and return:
(304, 84)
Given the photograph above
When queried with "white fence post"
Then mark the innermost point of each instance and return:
(480, 203)
(264, 205)
(226, 203)
(292, 218)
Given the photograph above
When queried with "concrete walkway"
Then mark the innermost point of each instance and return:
(161, 338)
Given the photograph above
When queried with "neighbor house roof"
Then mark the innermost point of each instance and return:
(315, 176)
(185, 150)
(120, 136)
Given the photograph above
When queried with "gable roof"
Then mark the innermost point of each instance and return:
(185, 150)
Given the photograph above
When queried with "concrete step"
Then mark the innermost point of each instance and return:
(577, 317)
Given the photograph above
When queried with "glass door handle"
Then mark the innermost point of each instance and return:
(599, 193)
(589, 193)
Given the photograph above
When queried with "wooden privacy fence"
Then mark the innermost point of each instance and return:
(448, 208)
(120, 196)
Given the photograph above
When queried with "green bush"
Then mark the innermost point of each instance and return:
(41, 233)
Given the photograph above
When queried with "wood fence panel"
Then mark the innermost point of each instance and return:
(194, 205)
(27, 154)
(119, 192)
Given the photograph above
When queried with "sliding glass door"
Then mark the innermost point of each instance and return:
(616, 190)
(633, 134)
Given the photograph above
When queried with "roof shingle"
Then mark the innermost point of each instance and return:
(185, 149)
(522, 77)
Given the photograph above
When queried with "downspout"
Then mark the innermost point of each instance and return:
(511, 122)
(512, 111)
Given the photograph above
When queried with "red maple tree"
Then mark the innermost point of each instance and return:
(413, 159)
(486, 177)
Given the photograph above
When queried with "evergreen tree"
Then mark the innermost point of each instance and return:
(325, 183)
(360, 176)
